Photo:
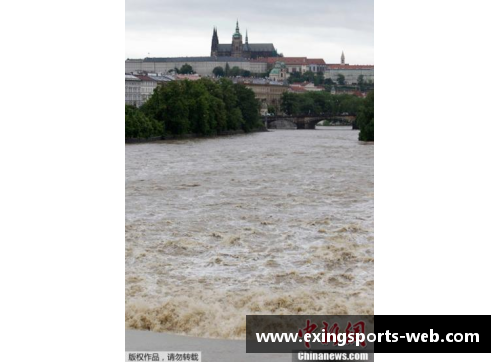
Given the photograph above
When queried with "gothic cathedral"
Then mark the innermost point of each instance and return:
(238, 49)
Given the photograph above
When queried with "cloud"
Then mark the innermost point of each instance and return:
(315, 28)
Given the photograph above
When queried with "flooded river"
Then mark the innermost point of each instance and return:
(264, 223)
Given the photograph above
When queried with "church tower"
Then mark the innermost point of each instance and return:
(237, 45)
(215, 43)
(342, 58)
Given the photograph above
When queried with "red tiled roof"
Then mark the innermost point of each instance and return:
(297, 88)
(316, 61)
(301, 87)
(296, 60)
(144, 78)
(288, 60)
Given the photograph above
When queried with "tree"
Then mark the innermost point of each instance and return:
(361, 82)
(341, 79)
(218, 71)
(226, 70)
(319, 78)
(290, 103)
(308, 76)
(138, 125)
(169, 105)
(235, 71)
(323, 103)
(366, 119)
(249, 107)
(202, 107)
(186, 69)
(246, 73)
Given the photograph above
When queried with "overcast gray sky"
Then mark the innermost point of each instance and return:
(311, 28)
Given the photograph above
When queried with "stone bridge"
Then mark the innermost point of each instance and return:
(309, 121)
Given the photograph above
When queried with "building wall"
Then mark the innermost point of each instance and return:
(315, 68)
(131, 65)
(147, 88)
(297, 68)
(351, 75)
(270, 93)
(258, 67)
(203, 68)
(132, 91)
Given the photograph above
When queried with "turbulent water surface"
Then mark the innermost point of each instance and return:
(270, 223)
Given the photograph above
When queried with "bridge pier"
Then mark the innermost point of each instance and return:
(306, 125)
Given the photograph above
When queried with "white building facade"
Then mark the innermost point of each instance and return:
(350, 72)
(148, 86)
(132, 90)
(203, 66)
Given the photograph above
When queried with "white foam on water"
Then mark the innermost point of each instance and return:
(213, 233)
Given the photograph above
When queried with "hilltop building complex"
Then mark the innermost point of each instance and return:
(239, 49)
(267, 72)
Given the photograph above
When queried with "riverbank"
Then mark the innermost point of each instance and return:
(192, 135)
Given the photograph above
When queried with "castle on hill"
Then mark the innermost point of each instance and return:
(238, 49)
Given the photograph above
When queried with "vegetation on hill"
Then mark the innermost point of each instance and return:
(218, 71)
(339, 82)
(185, 69)
(202, 107)
(341, 79)
(297, 77)
(231, 72)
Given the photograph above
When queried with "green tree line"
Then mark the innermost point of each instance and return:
(203, 107)
(231, 72)
(320, 103)
(324, 103)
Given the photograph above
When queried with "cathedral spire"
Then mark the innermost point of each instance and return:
(342, 58)
(215, 43)
(246, 36)
(237, 27)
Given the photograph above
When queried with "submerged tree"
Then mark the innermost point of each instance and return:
(138, 125)
(366, 119)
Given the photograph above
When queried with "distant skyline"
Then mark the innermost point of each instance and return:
(314, 29)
